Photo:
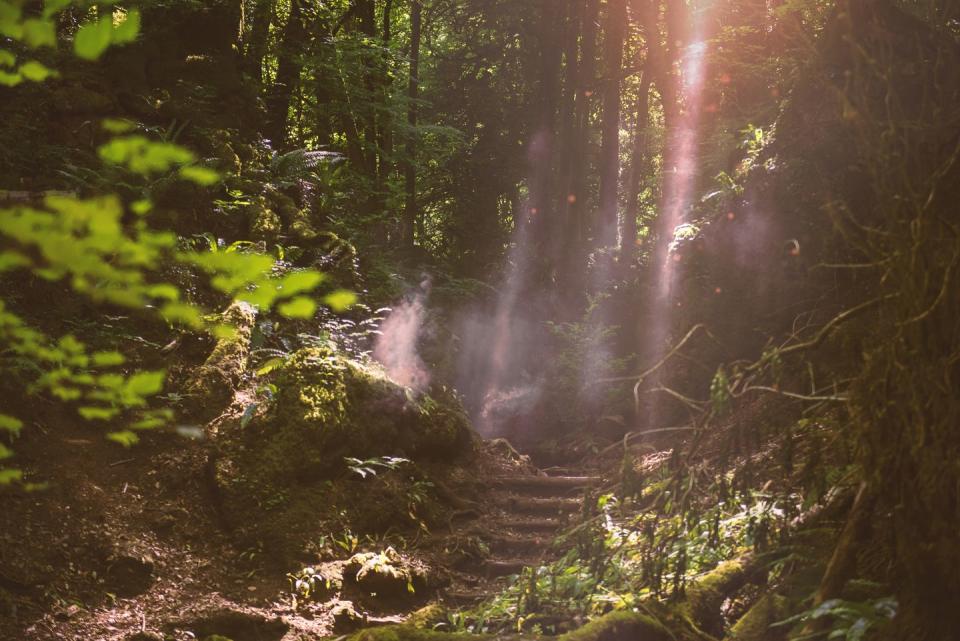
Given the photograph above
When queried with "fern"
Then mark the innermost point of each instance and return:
(296, 165)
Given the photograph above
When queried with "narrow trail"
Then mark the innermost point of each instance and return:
(524, 514)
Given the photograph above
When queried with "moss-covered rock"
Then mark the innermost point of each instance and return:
(616, 626)
(264, 222)
(329, 407)
(707, 594)
(428, 616)
(755, 624)
(212, 386)
(273, 475)
(410, 633)
(385, 574)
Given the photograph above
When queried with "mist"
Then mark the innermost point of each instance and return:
(396, 346)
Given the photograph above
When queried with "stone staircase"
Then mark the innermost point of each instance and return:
(523, 515)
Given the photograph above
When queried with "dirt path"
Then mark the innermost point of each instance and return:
(125, 542)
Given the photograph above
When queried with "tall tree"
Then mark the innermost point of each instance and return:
(256, 45)
(542, 145)
(586, 79)
(643, 13)
(614, 35)
(413, 93)
(638, 168)
(289, 66)
(567, 127)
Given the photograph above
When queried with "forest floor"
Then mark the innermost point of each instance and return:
(126, 541)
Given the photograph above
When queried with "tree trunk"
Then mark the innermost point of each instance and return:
(367, 25)
(615, 33)
(577, 191)
(387, 21)
(638, 165)
(567, 127)
(257, 44)
(410, 163)
(288, 74)
(385, 115)
(542, 154)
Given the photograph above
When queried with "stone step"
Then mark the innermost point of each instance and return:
(465, 597)
(532, 526)
(543, 506)
(493, 568)
(519, 544)
(549, 485)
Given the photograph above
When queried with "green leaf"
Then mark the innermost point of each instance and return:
(98, 413)
(149, 423)
(33, 70)
(300, 307)
(9, 476)
(39, 33)
(51, 7)
(110, 381)
(141, 207)
(163, 291)
(298, 282)
(10, 79)
(182, 313)
(340, 300)
(10, 424)
(203, 176)
(107, 359)
(125, 438)
(5, 452)
(93, 38)
(118, 125)
(145, 383)
(10, 25)
(127, 30)
(7, 59)
(223, 332)
(269, 366)
(12, 260)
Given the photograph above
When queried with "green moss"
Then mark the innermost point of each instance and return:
(213, 384)
(428, 616)
(331, 407)
(755, 624)
(264, 222)
(301, 227)
(615, 626)
(386, 574)
(621, 626)
(706, 595)
(272, 474)
(410, 633)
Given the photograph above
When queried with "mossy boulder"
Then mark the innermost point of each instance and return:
(386, 574)
(427, 617)
(329, 407)
(265, 224)
(285, 473)
(756, 624)
(212, 385)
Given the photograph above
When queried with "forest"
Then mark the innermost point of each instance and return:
(476, 320)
